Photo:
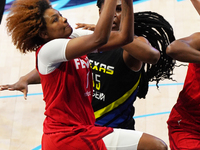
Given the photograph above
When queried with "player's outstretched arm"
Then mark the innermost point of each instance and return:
(23, 82)
(186, 49)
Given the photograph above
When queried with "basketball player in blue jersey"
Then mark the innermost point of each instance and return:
(117, 73)
(116, 77)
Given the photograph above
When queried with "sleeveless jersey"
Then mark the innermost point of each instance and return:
(188, 103)
(184, 119)
(67, 92)
(114, 88)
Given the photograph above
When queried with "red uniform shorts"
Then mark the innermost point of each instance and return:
(59, 141)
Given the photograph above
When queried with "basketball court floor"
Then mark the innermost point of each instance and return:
(21, 121)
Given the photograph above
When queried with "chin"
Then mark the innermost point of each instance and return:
(69, 32)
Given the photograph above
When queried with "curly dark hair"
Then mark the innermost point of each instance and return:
(24, 22)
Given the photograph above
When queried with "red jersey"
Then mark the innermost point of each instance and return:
(184, 119)
(188, 104)
(67, 92)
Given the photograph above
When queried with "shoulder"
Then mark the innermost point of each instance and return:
(55, 44)
(53, 50)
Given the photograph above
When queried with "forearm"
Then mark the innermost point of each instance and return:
(104, 24)
(181, 51)
(125, 34)
(32, 77)
(127, 20)
(141, 50)
(89, 43)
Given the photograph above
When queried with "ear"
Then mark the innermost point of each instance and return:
(43, 34)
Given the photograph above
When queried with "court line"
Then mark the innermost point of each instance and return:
(166, 84)
(153, 114)
(35, 94)
(38, 148)
(20, 95)
(135, 117)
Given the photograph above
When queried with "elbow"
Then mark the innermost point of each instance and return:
(100, 38)
(101, 41)
(127, 39)
(154, 61)
(155, 58)
(170, 51)
(130, 39)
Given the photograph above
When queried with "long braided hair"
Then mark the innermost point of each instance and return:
(160, 34)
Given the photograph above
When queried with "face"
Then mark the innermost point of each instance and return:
(117, 16)
(56, 25)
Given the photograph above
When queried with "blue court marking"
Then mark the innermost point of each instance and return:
(135, 117)
(62, 4)
(20, 95)
(59, 4)
(38, 148)
(35, 94)
(153, 114)
(140, 1)
(77, 6)
(166, 84)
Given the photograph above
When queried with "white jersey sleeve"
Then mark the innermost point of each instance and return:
(51, 55)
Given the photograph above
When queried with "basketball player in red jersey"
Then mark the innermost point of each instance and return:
(63, 64)
(184, 119)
